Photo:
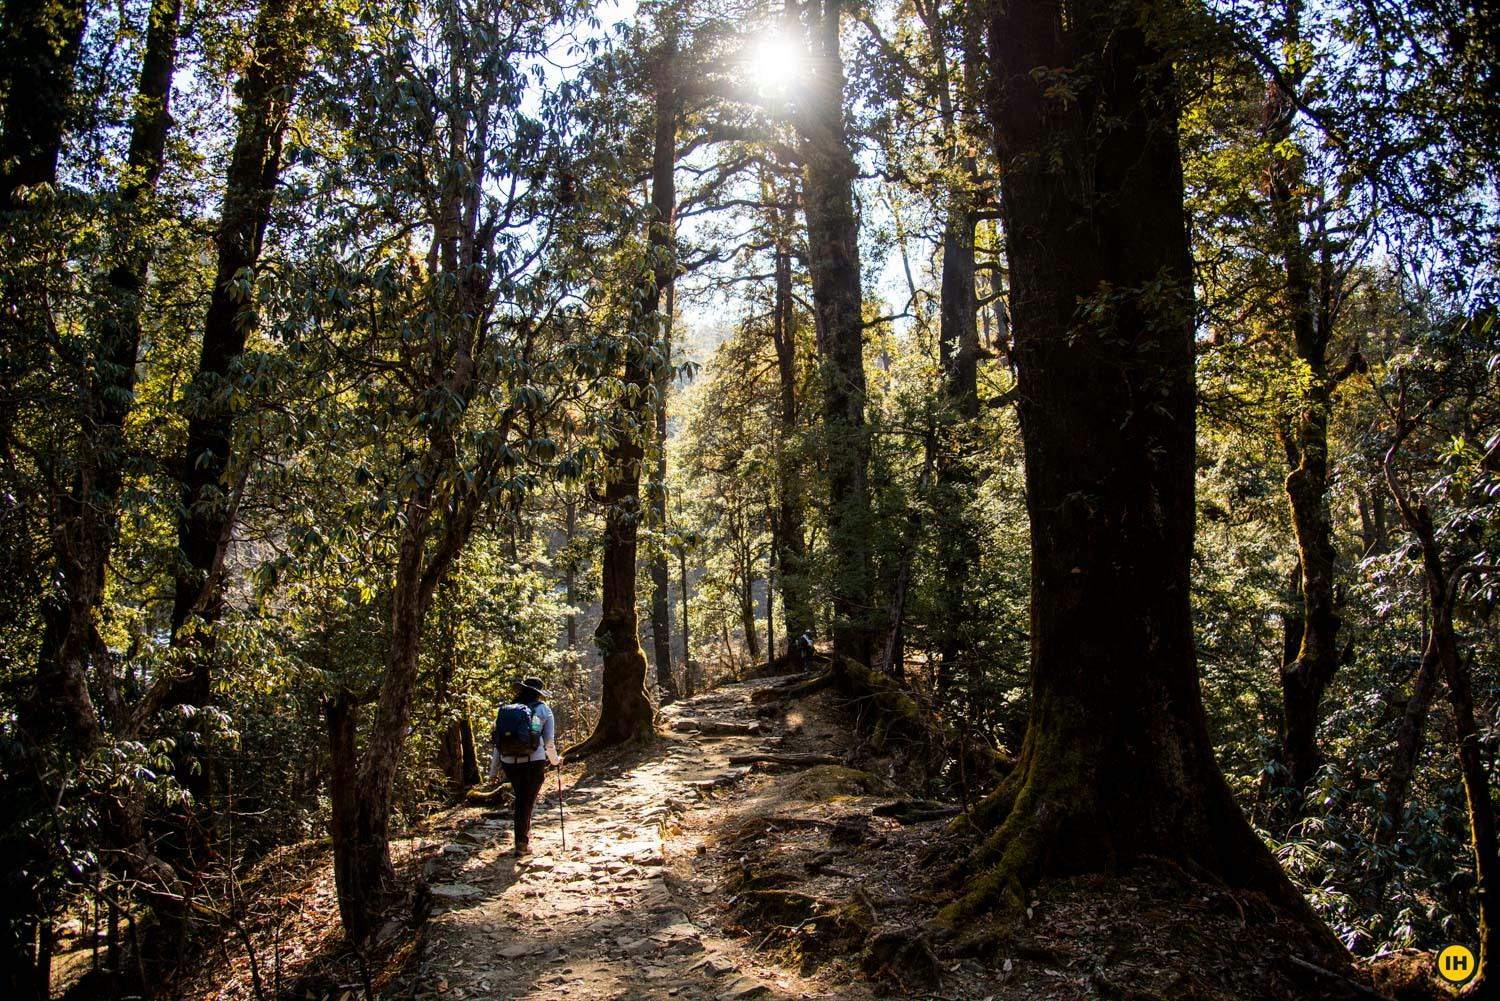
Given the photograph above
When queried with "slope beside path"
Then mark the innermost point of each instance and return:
(605, 917)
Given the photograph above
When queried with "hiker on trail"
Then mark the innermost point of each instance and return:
(805, 648)
(523, 742)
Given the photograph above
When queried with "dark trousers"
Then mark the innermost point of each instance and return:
(526, 778)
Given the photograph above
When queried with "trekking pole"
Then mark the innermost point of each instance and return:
(562, 824)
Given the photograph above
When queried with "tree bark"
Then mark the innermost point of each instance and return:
(958, 339)
(661, 610)
(342, 716)
(833, 261)
(1117, 762)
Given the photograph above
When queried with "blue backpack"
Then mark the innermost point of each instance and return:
(517, 731)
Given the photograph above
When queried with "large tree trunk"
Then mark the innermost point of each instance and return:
(368, 875)
(87, 520)
(1304, 307)
(254, 170)
(833, 261)
(958, 341)
(435, 530)
(666, 278)
(208, 501)
(40, 50)
(1117, 762)
(790, 543)
(626, 712)
(342, 715)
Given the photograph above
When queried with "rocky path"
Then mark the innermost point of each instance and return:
(604, 917)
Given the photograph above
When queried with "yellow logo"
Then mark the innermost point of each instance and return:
(1456, 964)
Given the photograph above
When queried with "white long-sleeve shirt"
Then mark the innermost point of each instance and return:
(547, 749)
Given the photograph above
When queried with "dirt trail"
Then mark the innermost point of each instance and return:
(605, 917)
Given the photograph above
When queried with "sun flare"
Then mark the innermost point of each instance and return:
(775, 63)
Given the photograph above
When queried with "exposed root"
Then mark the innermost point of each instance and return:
(817, 926)
(595, 743)
(892, 714)
(495, 795)
(802, 689)
(904, 955)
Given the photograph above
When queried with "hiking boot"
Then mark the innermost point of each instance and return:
(522, 849)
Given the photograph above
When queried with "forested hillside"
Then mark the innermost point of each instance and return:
(1107, 389)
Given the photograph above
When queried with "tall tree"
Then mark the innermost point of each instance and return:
(1117, 762)
(1306, 308)
(665, 275)
(833, 262)
(789, 536)
(626, 713)
(451, 349)
(85, 519)
(282, 33)
(209, 500)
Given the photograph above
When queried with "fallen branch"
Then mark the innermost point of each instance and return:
(1353, 985)
(915, 811)
(795, 689)
(712, 727)
(784, 759)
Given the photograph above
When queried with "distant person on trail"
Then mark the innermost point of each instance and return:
(805, 649)
(523, 742)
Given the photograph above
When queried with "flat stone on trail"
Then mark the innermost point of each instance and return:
(683, 930)
(715, 965)
(631, 849)
(744, 988)
(455, 890)
(639, 947)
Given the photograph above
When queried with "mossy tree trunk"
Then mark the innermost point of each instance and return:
(1117, 762)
